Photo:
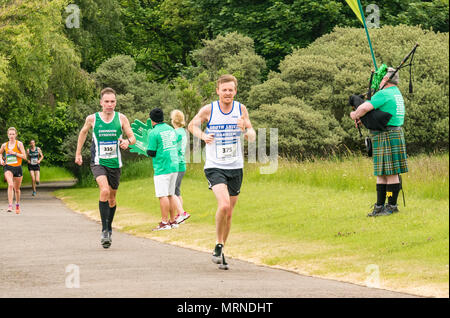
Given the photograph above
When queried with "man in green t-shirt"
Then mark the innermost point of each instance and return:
(162, 147)
(389, 147)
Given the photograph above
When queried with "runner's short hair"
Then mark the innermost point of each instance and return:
(107, 90)
(226, 79)
(177, 117)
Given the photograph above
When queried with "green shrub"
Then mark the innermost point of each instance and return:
(302, 131)
(338, 65)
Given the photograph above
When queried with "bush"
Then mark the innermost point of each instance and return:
(338, 65)
(302, 131)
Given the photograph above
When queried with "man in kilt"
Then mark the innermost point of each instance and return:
(389, 147)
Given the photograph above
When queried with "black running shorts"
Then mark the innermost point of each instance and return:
(16, 171)
(232, 178)
(34, 167)
(112, 174)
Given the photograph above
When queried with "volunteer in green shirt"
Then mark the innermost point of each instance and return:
(389, 147)
(162, 147)
(107, 137)
(178, 123)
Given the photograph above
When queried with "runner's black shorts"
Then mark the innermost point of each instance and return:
(34, 167)
(112, 174)
(16, 171)
(232, 178)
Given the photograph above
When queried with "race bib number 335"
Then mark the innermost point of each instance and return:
(108, 149)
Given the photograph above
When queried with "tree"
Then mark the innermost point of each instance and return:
(100, 33)
(42, 70)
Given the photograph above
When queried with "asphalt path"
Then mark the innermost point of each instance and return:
(49, 251)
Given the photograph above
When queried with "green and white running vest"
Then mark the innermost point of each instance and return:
(105, 150)
(34, 156)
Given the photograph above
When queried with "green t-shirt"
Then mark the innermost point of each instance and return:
(181, 148)
(390, 100)
(163, 139)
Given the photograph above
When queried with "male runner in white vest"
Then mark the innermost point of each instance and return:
(106, 162)
(226, 119)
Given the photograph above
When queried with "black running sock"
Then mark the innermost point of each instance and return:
(112, 211)
(104, 214)
(381, 193)
(392, 191)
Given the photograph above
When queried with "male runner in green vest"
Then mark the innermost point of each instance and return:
(106, 162)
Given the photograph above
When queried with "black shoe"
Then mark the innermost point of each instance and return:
(224, 264)
(106, 239)
(391, 208)
(377, 210)
(217, 255)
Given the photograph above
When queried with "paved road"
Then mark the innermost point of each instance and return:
(40, 244)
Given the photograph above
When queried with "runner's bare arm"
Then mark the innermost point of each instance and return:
(126, 128)
(41, 155)
(2, 149)
(245, 125)
(195, 126)
(23, 153)
(88, 124)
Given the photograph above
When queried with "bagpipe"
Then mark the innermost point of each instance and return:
(377, 119)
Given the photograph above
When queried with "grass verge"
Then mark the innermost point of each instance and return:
(309, 217)
(47, 174)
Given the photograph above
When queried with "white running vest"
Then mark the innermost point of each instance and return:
(225, 152)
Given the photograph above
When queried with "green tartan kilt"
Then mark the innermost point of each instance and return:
(389, 152)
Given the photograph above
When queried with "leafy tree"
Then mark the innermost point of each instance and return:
(160, 35)
(42, 70)
(100, 33)
(277, 26)
(233, 54)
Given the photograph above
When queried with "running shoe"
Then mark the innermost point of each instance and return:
(17, 209)
(34, 193)
(162, 226)
(173, 224)
(182, 217)
(217, 254)
(105, 239)
(223, 265)
(9, 208)
(377, 210)
(391, 208)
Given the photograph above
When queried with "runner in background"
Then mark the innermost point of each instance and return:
(12, 167)
(35, 157)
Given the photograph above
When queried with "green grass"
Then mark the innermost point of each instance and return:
(309, 217)
(48, 174)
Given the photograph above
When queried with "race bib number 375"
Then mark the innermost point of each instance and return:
(226, 151)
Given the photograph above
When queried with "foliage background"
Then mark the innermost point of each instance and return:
(297, 62)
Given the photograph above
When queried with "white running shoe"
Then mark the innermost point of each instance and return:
(182, 217)
(162, 226)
